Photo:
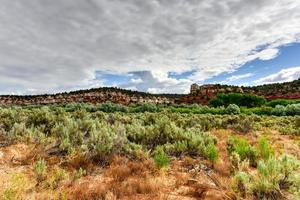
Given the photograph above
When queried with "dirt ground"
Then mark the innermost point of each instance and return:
(185, 179)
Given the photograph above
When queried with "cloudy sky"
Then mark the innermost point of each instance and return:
(154, 45)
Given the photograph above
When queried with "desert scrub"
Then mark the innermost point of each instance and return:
(17, 132)
(273, 176)
(136, 151)
(56, 176)
(161, 159)
(242, 183)
(245, 125)
(16, 187)
(40, 170)
(79, 173)
(242, 148)
(265, 150)
(212, 153)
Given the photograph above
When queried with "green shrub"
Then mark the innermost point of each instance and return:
(57, 176)
(41, 117)
(293, 109)
(289, 166)
(233, 109)
(273, 176)
(40, 170)
(161, 159)
(17, 131)
(244, 124)
(282, 102)
(79, 173)
(279, 110)
(111, 107)
(297, 122)
(242, 183)
(101, 141)
(177, 148)
(212, 153)
(136, 151)
(146, 107)
(265, 150)
(242, 148)
(265, 184)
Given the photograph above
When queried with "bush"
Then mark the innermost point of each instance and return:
(265, 150)
(279, 110)
(242, 183)
(233, 109)
(273, 176)
(265, 185)
(57, 176)
(293, 109)
(282, 102)
(212, 153)
(79, 173)
(146, 107)
(40, 170)
(242, 148)
(243, 124)
(111, 107)
(101, 141)
(160, 158)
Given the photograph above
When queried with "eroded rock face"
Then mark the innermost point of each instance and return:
(203, 94)
(86, 97)
(199, 94)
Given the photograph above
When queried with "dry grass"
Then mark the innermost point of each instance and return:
(86, 191)
(122, 168)
(122, 179)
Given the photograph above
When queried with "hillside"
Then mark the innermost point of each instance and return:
(95, 95)
(204, 93)
(288, 90)
(198, 94)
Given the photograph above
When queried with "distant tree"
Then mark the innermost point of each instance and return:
(242, 100)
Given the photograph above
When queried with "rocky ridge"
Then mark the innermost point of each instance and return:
(198, 94)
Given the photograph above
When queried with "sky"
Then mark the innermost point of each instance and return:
(157, 46)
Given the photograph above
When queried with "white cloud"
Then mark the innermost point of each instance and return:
(56, 45)
(136, 81)
(283, 75)
(238, 77)
(268, 54)
(157, 82)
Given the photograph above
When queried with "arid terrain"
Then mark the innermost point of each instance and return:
(60, 153)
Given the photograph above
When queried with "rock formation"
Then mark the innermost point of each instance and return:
(198, 94)
(93, 96)
(203, 94)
